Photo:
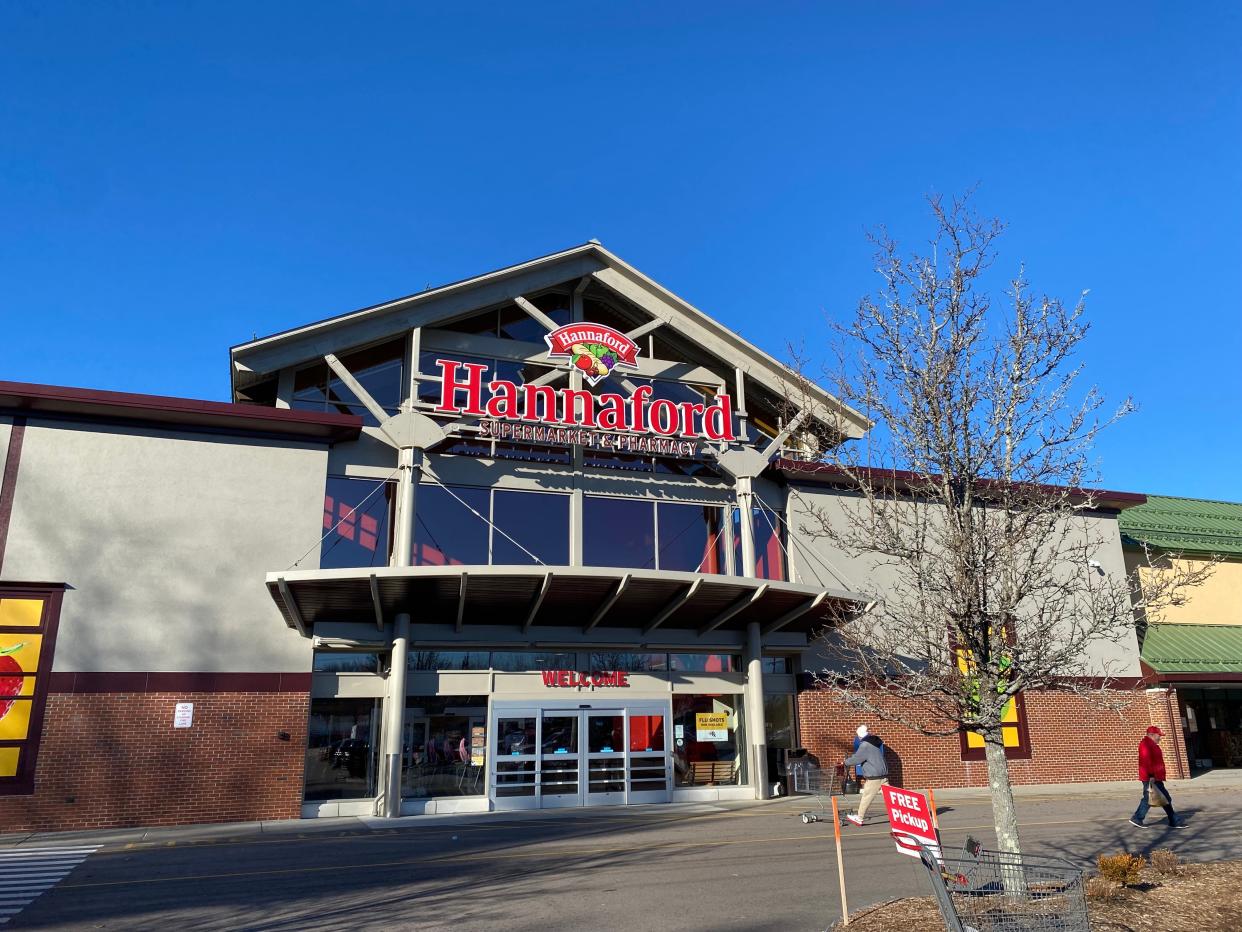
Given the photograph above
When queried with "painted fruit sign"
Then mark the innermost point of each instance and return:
(24, 626)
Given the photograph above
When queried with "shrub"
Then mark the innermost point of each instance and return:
(1121, 868)
(1104, 890)
(1166, 862)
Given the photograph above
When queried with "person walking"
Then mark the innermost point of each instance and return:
(869, 758)
(1151, 773)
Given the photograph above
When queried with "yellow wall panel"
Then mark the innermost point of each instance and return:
(9, 759)
(15, 724)
(20, 613)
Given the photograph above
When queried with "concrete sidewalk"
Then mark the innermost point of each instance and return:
(155, 836)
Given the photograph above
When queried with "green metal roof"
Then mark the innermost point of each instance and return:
(1193, 524)
(1194, 648)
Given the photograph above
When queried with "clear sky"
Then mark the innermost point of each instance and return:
(175, 177)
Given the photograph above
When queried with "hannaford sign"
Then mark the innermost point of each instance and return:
(593, 679)
(543, 414)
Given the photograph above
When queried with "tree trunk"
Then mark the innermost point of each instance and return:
(1004, 815)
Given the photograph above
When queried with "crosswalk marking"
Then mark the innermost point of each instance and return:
(25, 873)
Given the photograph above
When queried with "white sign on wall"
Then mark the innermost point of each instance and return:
(183, 715)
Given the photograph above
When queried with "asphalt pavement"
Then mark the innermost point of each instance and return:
(737, 866)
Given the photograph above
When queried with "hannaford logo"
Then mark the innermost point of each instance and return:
(593, 349)
(11, 678)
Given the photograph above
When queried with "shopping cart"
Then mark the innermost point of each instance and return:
(818, 783)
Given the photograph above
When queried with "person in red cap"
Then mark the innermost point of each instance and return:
(1151, 773)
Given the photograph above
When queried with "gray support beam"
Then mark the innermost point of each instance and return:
(284, 388)
(376, 604)
(394, 715)
(535, 605)
(536, 314)
(773, 626)
(756, 732)
(292, 605)
(743, 602)
(356, 387)
(607, 604)
(461, 604)
(674, 604)
(745, 490)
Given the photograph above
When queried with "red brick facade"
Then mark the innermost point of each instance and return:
(1072, 740)
(114, 759)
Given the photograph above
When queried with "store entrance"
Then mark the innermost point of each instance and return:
(582, 754)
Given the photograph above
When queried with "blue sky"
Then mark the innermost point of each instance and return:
(176, 177)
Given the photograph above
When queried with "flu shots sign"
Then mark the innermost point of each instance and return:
(910, 816)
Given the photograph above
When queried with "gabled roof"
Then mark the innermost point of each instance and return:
(261, 357)
(1185, 524)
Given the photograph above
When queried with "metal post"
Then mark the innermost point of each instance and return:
(394, 721)
(746, 524)
(754, 711)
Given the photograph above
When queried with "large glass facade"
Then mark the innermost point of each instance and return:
(342, 737)
(379, 369)
(645, 534)
(443, 746)
(464, 525)
(708, 740)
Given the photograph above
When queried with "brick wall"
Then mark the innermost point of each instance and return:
(1072, 741)
(114, 759)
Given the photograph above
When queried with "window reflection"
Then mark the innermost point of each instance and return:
(629, 662)
(539, 521)
(618, 532)
(703, 753)
(356, 522)
(447, 533)
(769, 544)
(344, 662)
(444, 746)
(691, 537)
(705, 663)
(379, 369)
(447, 660)
(341, 748)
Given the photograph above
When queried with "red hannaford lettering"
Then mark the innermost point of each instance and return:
(542, 404)
(594, 679)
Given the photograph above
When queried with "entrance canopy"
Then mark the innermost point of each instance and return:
(581, 599)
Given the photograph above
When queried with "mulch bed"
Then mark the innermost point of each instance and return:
(1198, 898)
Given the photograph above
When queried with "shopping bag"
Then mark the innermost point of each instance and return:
(1156, 796)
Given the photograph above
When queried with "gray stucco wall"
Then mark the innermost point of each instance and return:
(164, 539)
(816, 558)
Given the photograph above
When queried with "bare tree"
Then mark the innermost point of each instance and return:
(971, 498)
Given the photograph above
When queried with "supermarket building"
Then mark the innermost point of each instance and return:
(530, 540)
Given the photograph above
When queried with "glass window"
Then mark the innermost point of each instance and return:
(447, 533)
(341, 748)
(344, 662)
(779, 721)
(444, 746)
(709, 746)
(778, 665)
(447, 660)
(629, 662)
(691, 537)
(356, 520)
(515, 736)
(539, 521)
(518, 661)
(516, 324)
(646, 733)
(379, 369)
(769, 546)
(705, 663)
(618, 532)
